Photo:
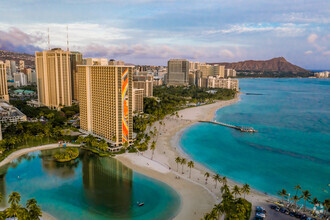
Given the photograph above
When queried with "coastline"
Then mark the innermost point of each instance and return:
(197, 198)
(204, 196)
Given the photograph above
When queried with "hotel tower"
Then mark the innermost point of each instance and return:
(3, 83)
(105, 101)
(54, 78)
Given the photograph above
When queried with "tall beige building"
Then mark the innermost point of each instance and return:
(76, 59)
(54, 78)
(178, 72)
(3, 83)
(144, 82)
(21, 65)
(219, 71)
(138, 100)
(105, 99)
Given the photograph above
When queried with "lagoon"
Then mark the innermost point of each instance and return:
(91, 187)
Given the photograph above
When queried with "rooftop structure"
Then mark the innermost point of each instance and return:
(9, 114)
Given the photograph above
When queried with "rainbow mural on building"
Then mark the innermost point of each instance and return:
(124, 88)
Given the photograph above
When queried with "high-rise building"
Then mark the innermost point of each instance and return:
(21, 65)
(138, 100)
(96, 61)
(144, 82)
(219, 71)
(54, 78)
(3, 83)
(13, 67)
(31, 76)
(8, 69)
(105, 101)
(178, 72)
(76, 59)
(20, 79)
(230, 73)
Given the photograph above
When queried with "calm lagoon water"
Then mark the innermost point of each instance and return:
(90, 188)
(293, 143)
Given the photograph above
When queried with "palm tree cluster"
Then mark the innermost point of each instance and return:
(29, 134)
(304, 195)
(230, 206)
(93, 142)
(66, 154)
(16, 210)
(183, 161)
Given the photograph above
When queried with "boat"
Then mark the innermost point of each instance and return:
(141, 204)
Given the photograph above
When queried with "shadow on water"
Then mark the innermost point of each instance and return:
(106, 184)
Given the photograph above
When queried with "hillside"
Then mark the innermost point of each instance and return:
(28, 58)
(279, 64)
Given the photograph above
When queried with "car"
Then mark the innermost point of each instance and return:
(297, 215)
(309, 218)
(292, 214)
(261, 215)
(260, 209)
(282, 209)
(277, 209)
(273, 206)
(303, 217)
(258, 218)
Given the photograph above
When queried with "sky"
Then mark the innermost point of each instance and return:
(153, 31)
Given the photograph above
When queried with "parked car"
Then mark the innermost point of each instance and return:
(260, 209)
(261, 215)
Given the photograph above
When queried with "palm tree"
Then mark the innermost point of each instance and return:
(283, 193)
(207, 175)
(152, 147)
(13, 210)
(306, 196)
(246, 189)
(315, 201)
(297, 187)
(224, 180)
(183, 162)
(177, 161)
(34, 210)
(14, 198)
(224, 188)
(216, 178)
(326, 204)
(296, 199)
(190, 165)
(219, 209)
(1, 197)
(236, 191)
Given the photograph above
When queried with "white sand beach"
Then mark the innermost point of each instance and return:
(197, 197)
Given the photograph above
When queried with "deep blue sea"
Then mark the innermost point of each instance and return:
(92, 187)
(293, 143)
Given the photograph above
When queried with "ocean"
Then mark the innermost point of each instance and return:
(292, 145)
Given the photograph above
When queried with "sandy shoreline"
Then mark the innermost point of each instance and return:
(197, 197)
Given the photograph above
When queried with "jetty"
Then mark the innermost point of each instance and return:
(242, 129)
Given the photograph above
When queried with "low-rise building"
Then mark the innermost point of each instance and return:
(10, 115)
(325, 74)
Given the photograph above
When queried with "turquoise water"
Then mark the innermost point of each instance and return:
(91, 188)
(293, 143)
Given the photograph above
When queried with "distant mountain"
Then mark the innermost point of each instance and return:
(28, 58)
(279, 64)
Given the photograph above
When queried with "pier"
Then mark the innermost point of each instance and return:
(242, 129)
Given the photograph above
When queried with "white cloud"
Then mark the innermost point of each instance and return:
(282, 30)
(308, 52)
(312, 38)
